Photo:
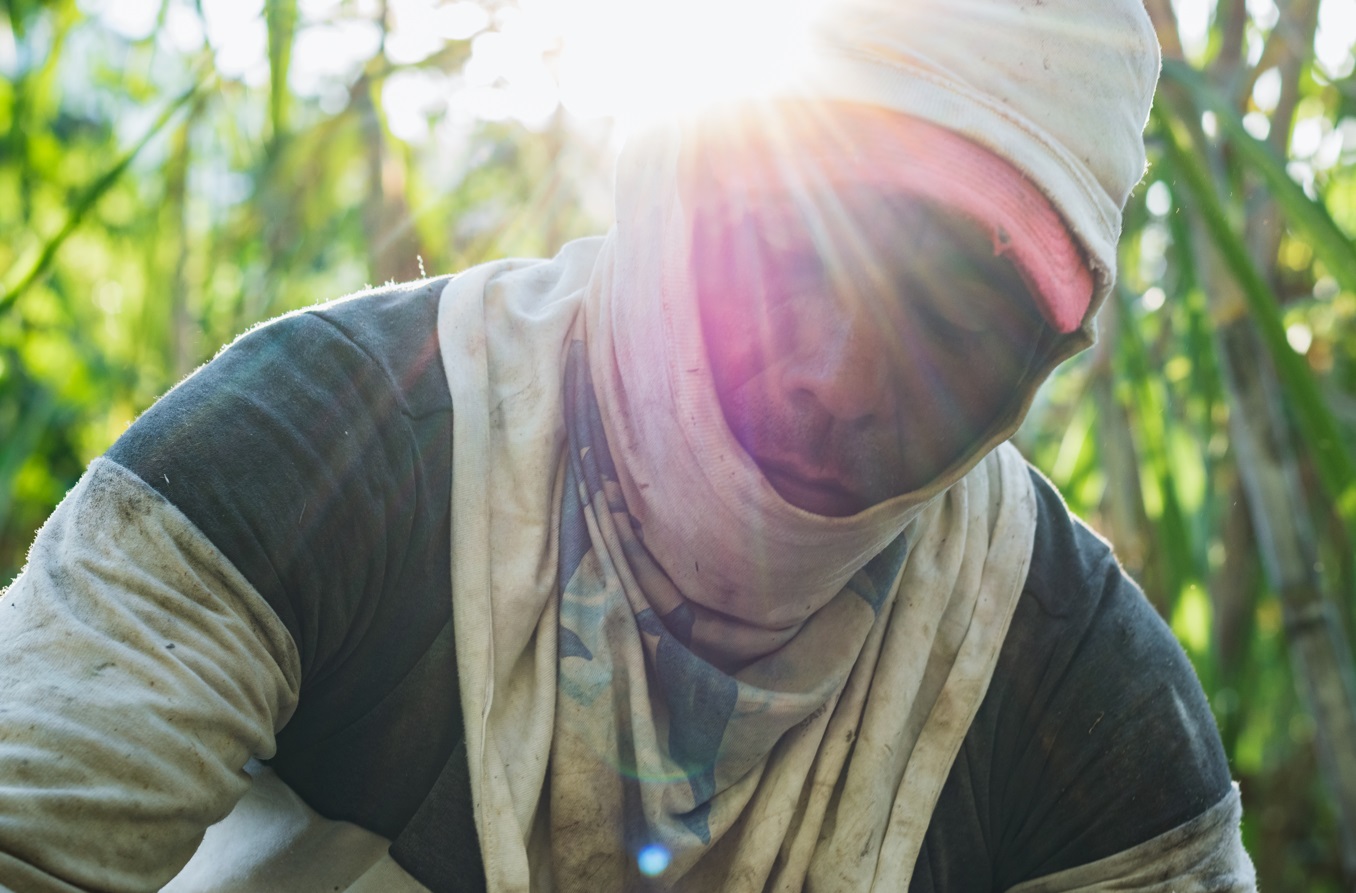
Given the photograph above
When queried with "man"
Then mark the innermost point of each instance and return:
(693, 558)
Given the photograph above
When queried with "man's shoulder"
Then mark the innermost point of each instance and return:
(1067, 556)
(1094, 736)
(1080, 613)
(314, 452)
(389, 333)
(1096, 726)
(394, 305)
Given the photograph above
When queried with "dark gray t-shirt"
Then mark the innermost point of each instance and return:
(316, 453)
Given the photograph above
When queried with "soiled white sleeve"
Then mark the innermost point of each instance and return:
(1205, 855)
(139, 671)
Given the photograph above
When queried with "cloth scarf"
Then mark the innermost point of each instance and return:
(683, 756)
(771, 699)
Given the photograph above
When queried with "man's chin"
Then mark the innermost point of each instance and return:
(815, 497)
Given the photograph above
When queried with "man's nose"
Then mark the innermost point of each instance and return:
(841, 364)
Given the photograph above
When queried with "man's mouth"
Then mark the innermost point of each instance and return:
(816, 494)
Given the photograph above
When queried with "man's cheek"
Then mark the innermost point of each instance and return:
(736, 345)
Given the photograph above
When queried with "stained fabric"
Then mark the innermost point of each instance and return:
(1204, 855)
(140, 672)
(687, 721)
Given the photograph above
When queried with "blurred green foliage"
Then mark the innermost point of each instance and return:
(157, 198)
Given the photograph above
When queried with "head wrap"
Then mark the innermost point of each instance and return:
(764, 153)
(1060, 89)
(1056, 91)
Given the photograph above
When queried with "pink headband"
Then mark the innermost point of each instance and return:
(871, 145)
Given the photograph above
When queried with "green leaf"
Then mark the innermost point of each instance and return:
(282, 27)
(1150, 411)
(1316, 422)
(87, 200)
(1308, 218)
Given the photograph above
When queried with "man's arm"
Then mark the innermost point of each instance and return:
(138, 672)
(1094, 740)
(282, 487)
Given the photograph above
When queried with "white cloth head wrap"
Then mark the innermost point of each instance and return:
(1059, 88)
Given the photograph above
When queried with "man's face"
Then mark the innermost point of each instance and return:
(860, 343)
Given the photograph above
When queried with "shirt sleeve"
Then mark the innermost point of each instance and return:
(1204, 855)
(138, 672)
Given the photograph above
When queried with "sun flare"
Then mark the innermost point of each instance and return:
(643, 58)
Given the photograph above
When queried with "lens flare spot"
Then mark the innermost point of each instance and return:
(652, 860)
